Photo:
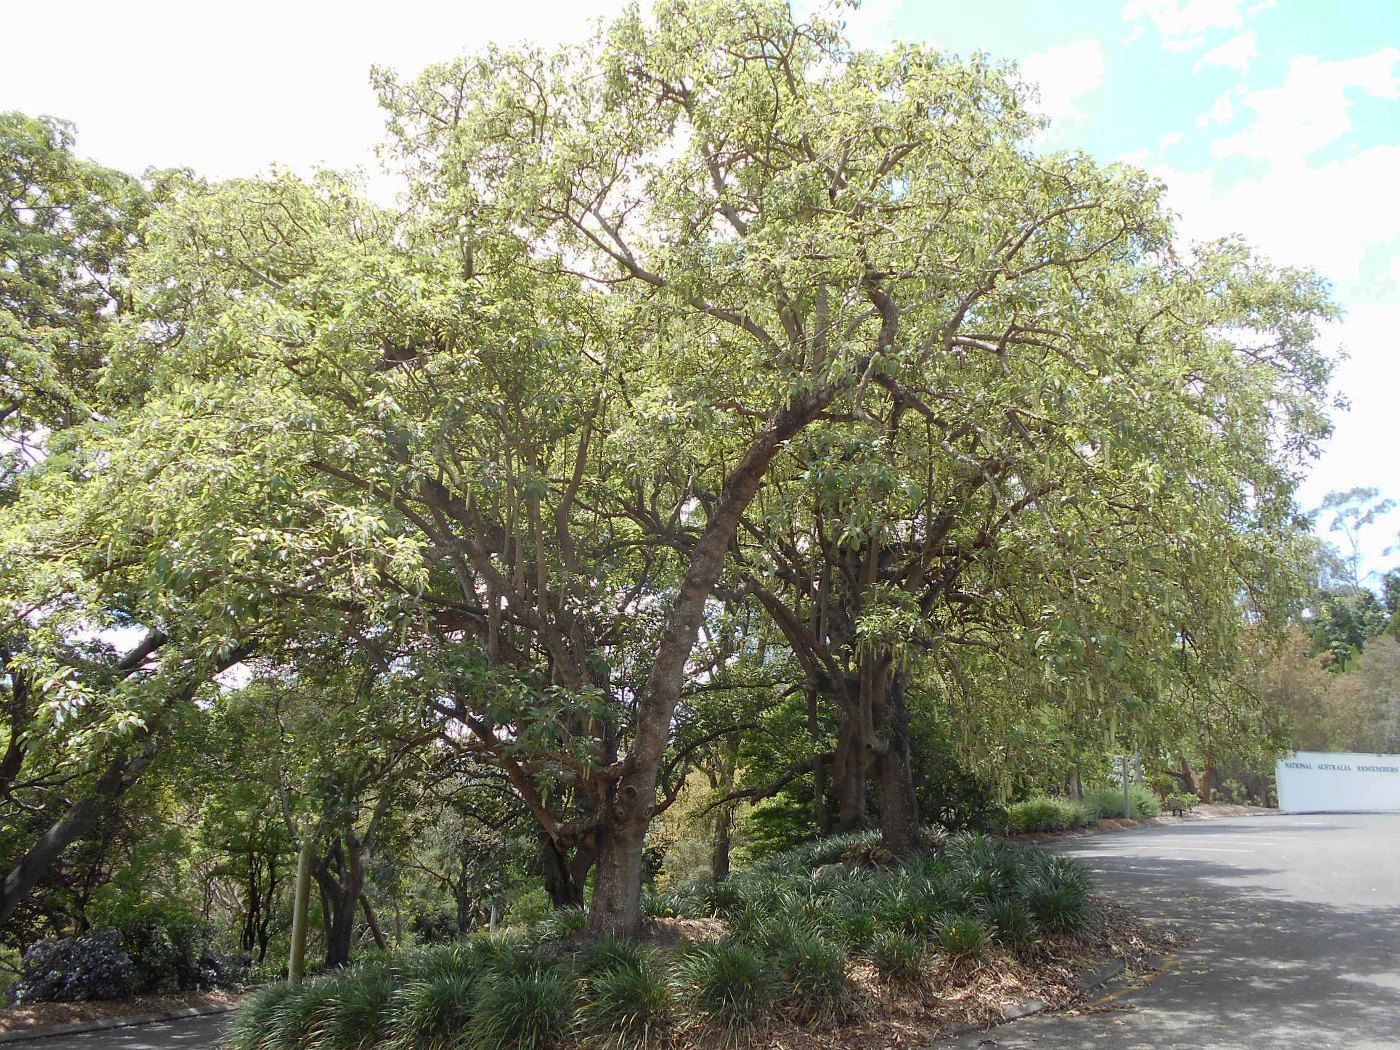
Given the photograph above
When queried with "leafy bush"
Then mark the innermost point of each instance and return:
(1107, 802)
(530, 1009)
(74, 969)
(898, 957)
(1048, 814)
(626, 1005)
(175, 953)
(724, 986)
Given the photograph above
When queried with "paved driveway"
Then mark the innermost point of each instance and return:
(192, 1033)
(1297, 926)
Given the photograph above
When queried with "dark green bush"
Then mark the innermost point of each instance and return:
(74, 969)
(1107, 802)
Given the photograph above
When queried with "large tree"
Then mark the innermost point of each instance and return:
(509, 441)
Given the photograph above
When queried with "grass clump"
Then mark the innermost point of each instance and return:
(252, 1023)
(626, 1004)
(812, 983)
(530, 1008)
(432, 1012)
(1011, 923)
(963, 938)
(355, 1014)
(898, 957)
(723, 987)
(1058, 897)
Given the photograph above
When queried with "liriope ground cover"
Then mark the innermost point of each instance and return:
(831, 941)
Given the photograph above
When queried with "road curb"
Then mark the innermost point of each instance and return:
(83, 1027)
(1090, 982)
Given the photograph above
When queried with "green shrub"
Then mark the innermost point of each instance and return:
(529, 1009)
(627, 1004)
(898, 957)
(963, 938)
(724, 986)
(812, 983)
(1048, 814)
(1107, 802)
(429, 1013)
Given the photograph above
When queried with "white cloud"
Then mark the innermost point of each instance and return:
(1310, 109)
(1170, 139)
(1064, 76)
(1222, 112)
(1182, 21)
(1235, 53)
(1334, 217)
(228, 90)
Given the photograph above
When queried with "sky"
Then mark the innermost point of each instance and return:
(1275, 119)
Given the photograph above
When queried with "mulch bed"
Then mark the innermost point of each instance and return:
(978, 996)
(51, 1015)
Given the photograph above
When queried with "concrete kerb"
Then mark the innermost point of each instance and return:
(82, 1027)
(1093, 981)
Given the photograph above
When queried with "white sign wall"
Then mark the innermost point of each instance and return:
(1331, 782)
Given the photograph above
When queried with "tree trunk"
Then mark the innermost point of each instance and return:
(899, 806)
(341, 877)
(616, 909)
(849, 773)
(565, 873)
(719, 853)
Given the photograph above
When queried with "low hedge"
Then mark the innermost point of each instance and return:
(1048, 814)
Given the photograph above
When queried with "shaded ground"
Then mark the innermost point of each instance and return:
(50, 1015)
(1297, 927)
(191, 1033)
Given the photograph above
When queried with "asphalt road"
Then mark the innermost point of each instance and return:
(1297, 927)
(191, 1033)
